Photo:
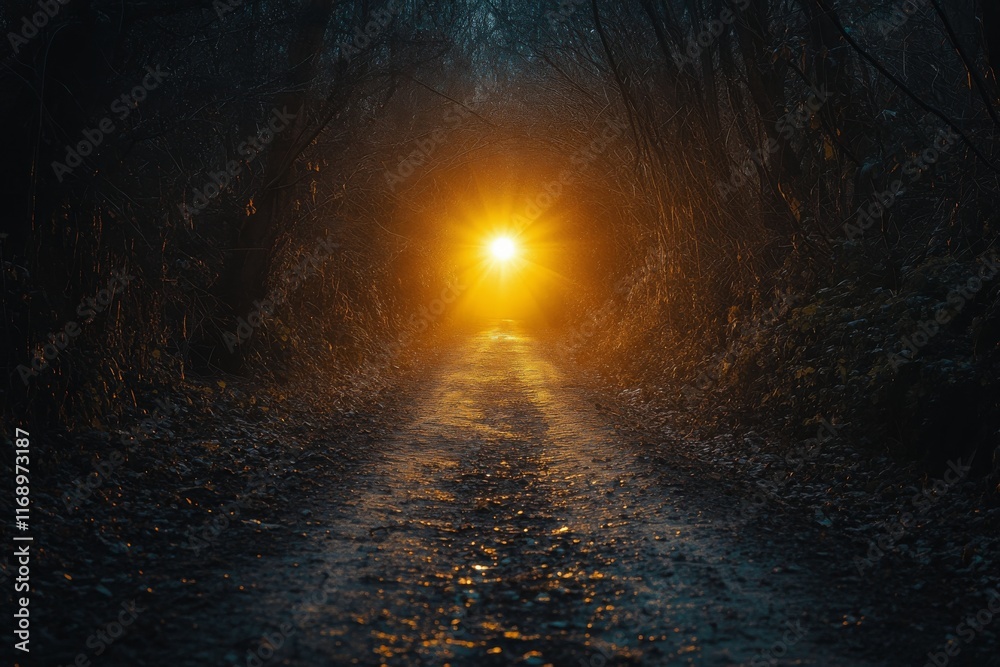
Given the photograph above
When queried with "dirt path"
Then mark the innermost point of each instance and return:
(503, 523)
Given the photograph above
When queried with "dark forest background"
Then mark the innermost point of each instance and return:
(798, 190)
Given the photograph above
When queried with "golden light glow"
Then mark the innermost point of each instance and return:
(506, 259)
(503, 248)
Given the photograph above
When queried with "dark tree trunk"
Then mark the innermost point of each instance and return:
(249, 261)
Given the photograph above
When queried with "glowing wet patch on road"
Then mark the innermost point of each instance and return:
(506, 525)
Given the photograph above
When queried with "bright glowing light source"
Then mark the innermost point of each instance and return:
(503, 248)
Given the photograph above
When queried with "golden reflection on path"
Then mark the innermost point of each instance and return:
(505, 524)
